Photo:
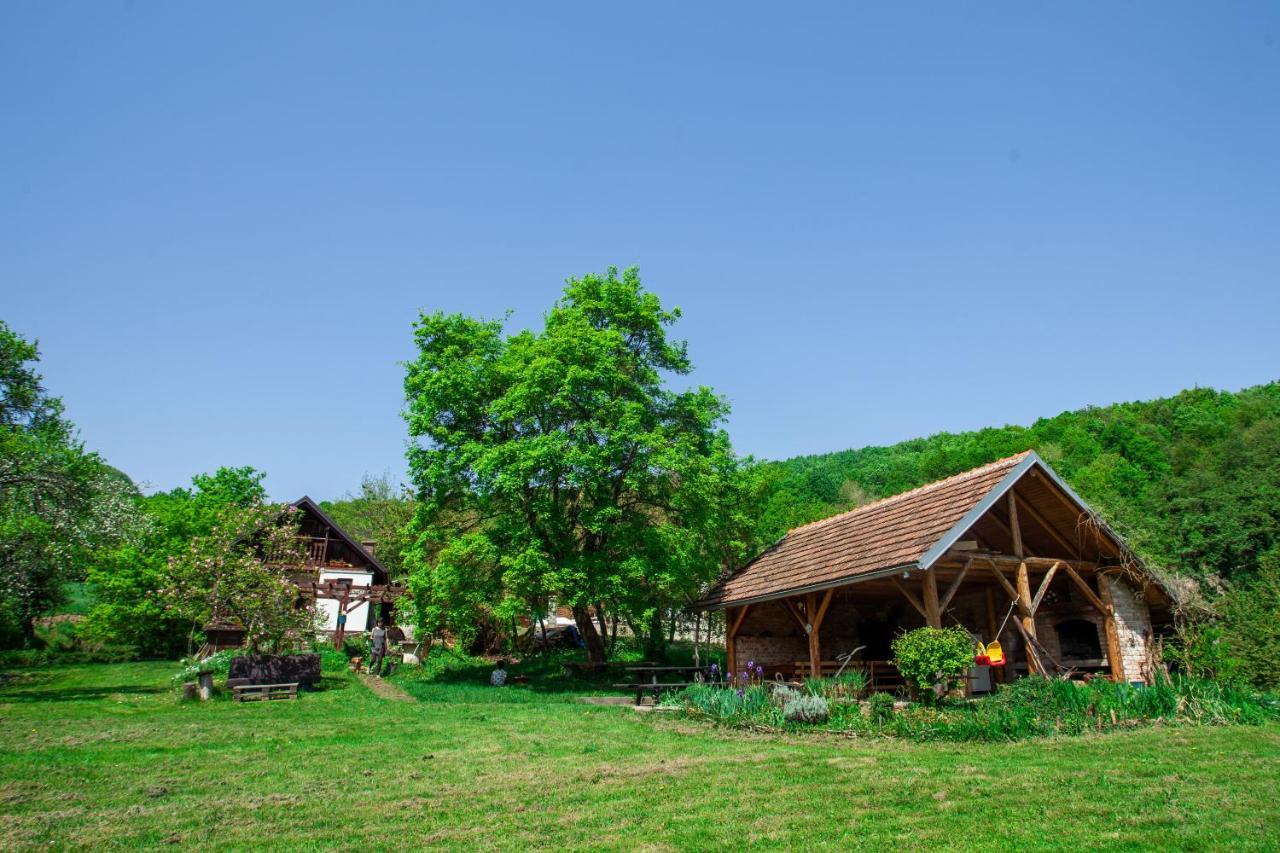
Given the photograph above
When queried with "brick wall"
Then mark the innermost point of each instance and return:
(1133, 624)
(770, 637)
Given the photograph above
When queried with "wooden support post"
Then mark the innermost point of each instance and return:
(815, 649)
(733, 621)
(932, 607)
(1115, 656)
(1014, 528)
(1033, 657)
(813, 627)
(1026, 615)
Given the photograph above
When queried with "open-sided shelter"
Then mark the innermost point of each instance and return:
(1006, 550)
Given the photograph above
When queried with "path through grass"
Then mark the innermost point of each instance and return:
(104, 754)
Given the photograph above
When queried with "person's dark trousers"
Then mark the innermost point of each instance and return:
(375, 663)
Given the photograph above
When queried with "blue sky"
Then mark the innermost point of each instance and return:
(881, 221)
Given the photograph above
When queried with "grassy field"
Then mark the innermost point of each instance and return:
(105, 755)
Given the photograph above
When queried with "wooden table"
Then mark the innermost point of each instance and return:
(646, 679)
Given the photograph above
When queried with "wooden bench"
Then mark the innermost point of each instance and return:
(882, 675)
(653, 687)
(264, 692)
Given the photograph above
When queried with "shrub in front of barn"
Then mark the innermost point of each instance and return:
(933, 659)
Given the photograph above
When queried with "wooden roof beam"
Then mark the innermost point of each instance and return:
(1038, 518)
(1077, 511)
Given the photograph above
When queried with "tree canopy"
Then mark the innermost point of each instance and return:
(59, 503)
(127, 580)
(559, 463)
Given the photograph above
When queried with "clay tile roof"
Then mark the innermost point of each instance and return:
(893, 532)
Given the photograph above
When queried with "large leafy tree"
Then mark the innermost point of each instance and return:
(127, 580)
(561, 463)
(59, 504)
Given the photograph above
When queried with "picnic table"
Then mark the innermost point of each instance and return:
(646, 679)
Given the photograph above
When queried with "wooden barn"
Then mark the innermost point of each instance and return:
(332, 555)
(1005, 550)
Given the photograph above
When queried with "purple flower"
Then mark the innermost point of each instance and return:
(715, 667)
(741, 693)
(759, 670)
(751, 664)
(746, 676)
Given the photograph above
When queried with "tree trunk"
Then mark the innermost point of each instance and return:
(590, 636)
(655, 645)
(604, 624)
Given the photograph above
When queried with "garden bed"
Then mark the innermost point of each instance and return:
(1028, 708)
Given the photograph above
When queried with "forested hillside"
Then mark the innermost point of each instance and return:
(1192, 480)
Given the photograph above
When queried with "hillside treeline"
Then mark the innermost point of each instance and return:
(1193, 480)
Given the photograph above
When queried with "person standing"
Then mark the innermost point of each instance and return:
(377, 648)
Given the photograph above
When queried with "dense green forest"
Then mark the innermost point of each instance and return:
(1193, 480)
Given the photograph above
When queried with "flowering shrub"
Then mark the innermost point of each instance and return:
(218, 664)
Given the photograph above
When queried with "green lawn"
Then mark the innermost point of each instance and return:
(105, 754)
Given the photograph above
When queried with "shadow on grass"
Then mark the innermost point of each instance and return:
(36, 693)
(558, 676)
(329, 683)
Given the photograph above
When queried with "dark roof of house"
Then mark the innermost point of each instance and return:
(907, 530)
(311, 506)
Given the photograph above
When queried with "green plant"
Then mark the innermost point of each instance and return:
(806, 709)
(1250, 624)
(880, 709)
(933, 657)
(848, 686)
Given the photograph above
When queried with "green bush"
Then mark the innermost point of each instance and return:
(933, 657)
(880, 709)
(1250, 625)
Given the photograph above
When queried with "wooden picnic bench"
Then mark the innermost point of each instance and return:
(264, 692)
(641, 687)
